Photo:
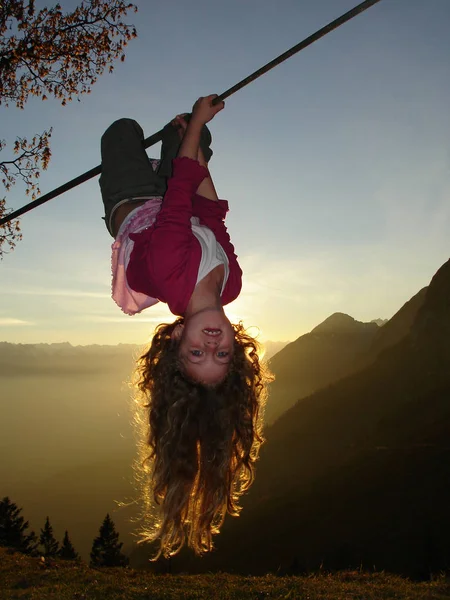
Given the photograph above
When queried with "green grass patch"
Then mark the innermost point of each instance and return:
(25, 578)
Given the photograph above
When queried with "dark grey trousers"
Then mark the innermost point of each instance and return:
(127, 173)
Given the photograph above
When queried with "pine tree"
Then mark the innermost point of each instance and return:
(47, 540)
(67, 551)
(13, 528)
(106, 549)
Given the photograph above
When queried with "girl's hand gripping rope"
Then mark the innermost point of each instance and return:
(180, 124)
(204, 110)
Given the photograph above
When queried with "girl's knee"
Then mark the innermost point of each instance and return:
(121, 128)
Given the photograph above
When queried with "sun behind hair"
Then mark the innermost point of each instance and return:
(200, 443)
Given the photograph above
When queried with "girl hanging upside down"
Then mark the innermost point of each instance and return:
(201, 376)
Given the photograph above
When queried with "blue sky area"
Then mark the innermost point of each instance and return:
(335, 164)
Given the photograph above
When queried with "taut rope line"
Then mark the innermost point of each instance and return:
(156, 137)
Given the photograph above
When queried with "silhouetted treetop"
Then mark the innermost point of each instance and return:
(13, 528)
(48, 541)
(67, 551)
(106, 549)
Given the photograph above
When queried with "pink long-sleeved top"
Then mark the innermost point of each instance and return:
(165, 259)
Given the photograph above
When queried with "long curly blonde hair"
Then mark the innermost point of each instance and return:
(200, 443)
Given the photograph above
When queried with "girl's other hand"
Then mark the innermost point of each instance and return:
(204, 110)
(180, 124)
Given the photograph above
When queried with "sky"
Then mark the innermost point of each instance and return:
(336, 165)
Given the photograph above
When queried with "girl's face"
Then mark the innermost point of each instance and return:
(206, 345)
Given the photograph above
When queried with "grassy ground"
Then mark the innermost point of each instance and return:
(22, 577)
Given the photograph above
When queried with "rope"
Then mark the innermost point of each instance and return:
(307, 42)
(156, 137)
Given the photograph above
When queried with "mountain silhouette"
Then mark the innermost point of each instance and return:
(432, 325)
(357, 473)
(331, 351)
(396, 328)
(337, 347)
(342, 323)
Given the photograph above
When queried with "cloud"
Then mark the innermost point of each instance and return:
(124, 320)
(156, 314)
(8, 322)
(56, 292)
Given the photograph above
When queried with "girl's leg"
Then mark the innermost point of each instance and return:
(126, 169)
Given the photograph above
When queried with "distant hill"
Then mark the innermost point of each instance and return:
(396, 328)
(358, 473)
(271, 348)
(380, 322)
(331, 351)
(328, 353)
(64, 359)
